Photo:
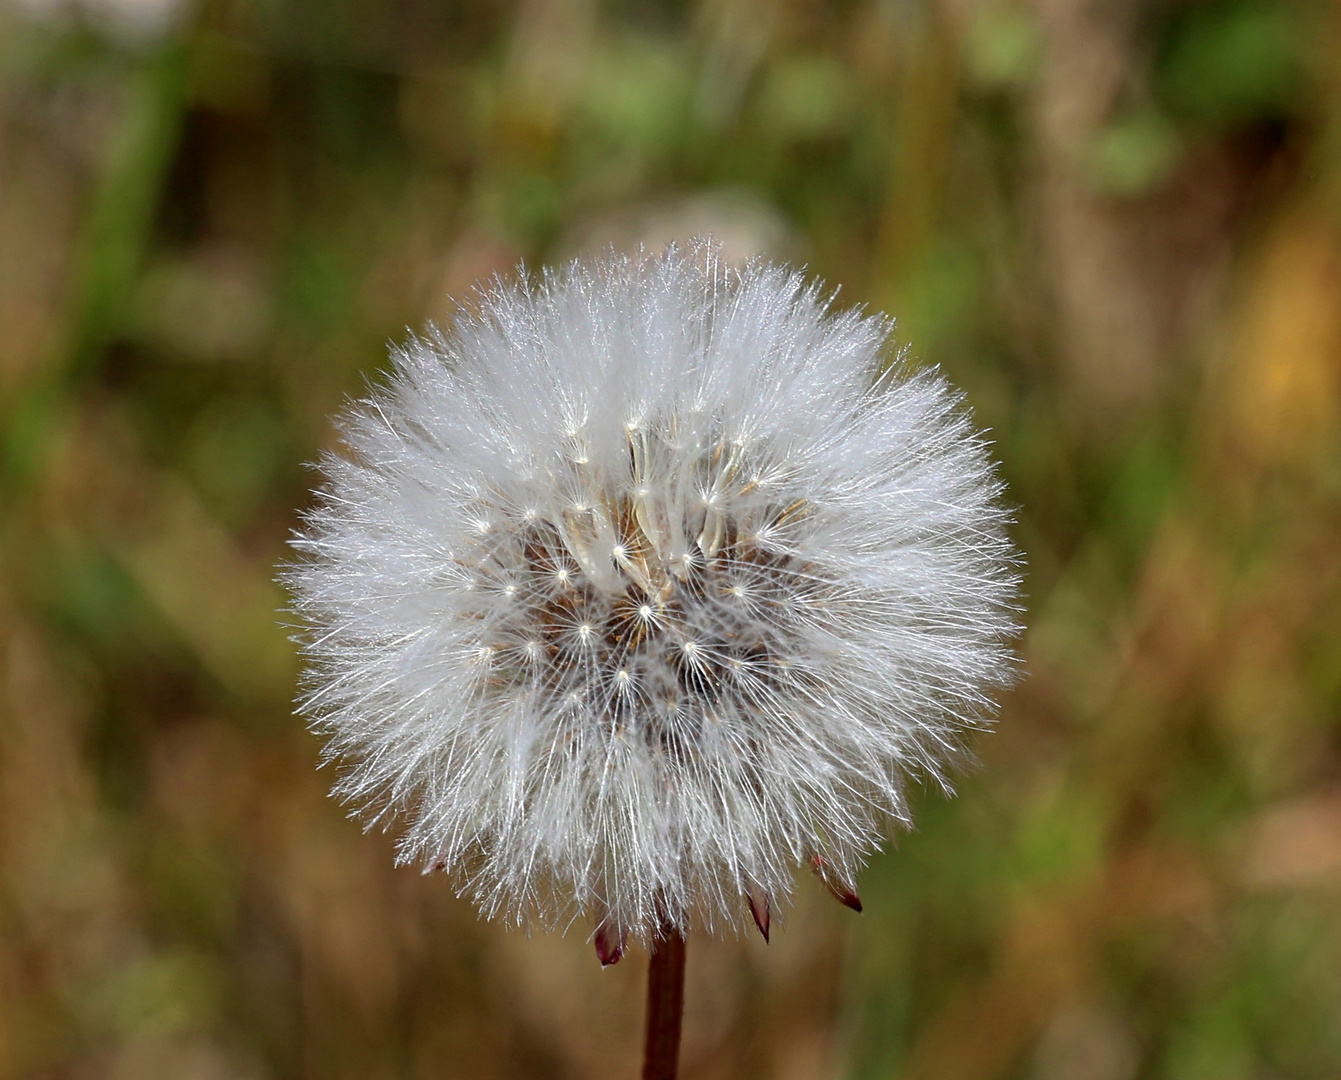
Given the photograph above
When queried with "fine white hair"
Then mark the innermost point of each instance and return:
(647, 582)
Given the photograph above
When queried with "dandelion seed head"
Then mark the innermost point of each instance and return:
(643, 586)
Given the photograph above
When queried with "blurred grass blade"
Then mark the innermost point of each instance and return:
(109, 253)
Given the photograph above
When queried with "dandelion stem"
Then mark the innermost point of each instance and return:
(665, 1006)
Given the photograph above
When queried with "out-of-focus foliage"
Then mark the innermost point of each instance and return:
(1117, 225)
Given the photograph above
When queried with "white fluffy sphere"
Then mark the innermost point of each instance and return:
(642, 585)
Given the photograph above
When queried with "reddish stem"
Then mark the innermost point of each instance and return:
(665, 1006)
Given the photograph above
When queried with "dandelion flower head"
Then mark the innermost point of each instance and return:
(647, 582)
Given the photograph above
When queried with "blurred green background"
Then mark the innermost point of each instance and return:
(1116, 224)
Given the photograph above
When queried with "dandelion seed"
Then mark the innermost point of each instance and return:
(647, 584)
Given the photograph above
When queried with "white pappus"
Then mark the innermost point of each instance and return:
(647, 582)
